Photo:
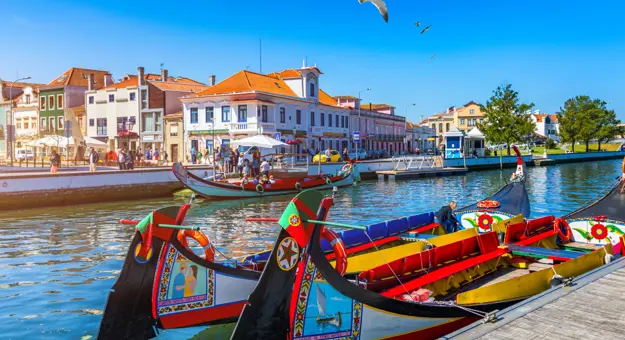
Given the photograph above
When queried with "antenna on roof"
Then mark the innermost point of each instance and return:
(260, 55)
(162, 65)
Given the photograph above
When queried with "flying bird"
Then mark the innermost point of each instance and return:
(426, 29)
(380, 5)
(418, 23)
(432, 58)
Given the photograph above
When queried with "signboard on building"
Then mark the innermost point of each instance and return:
(356, 136)
(277, 136)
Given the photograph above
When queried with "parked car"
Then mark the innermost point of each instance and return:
(335, 156)
(359, 154)
(23, 155)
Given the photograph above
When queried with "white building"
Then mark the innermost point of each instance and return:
(422, 137)
(26, 116)
(290, 103)
(547, 125)
(130, 113)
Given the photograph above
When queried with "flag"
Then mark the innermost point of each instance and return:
(143, 225)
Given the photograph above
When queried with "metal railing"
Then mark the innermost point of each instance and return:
(251, 126)
(416, 162)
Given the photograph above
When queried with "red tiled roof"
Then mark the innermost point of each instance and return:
(326, 99)
(346, 97)
(179, 87)
(79, 77)
(246, 81)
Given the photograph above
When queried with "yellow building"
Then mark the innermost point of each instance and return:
(468, 116)
(173, 137)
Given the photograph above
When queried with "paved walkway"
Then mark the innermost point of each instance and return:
(592, 308)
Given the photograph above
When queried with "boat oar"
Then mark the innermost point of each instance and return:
(171, 226)
(332, 224)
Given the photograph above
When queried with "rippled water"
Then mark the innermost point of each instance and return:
(57, 265)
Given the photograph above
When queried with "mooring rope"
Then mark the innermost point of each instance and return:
(389, 266)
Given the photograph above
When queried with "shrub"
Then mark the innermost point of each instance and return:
(550, 144)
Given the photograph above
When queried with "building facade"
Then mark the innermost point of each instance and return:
(8, 98)
(547, 125)
(26, 116)
(465, 118)
(173, 136)
(420, 137)
(130, 114)
(288, 105)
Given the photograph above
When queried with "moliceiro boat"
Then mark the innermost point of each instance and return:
(280, 186)
(424, 295)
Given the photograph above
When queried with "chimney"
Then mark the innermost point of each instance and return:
(164, 75)
(141, 75)
(106, 79)
(303, 63)
(212, 80)
(90, 80)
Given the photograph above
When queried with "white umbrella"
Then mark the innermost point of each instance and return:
(260, 141)
(91, 142)
(59, 141)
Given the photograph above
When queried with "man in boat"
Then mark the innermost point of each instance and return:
(265, 167)
(445, 217)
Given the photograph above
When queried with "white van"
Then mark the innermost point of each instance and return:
(23, 154)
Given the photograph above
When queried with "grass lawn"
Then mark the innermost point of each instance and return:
(593, 147)
(539, 150)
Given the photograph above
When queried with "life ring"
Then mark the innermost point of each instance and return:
(346, 168)
(328, 180)
(201, 238)
(564, 235)
(298, 186)
(488, 204)
(259, 188)
(623, 167)
(339, 249)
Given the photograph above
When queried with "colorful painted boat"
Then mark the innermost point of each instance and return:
(282, 186)
(462, 277)
(600, 222)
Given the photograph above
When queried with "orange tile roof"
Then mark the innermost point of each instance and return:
(79, 77)
(377, 106)
(131, 80)
(346, 97)
(246, 81)
(326, 99)
(286, 74)
(179, 87)
(409, 125)
(554, 118)
(181, 84)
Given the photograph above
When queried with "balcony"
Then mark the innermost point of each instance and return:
(251, 127)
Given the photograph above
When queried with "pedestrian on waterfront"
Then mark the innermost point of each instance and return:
(121, 160)
(129, 160)
(93, 159)
(199, 157)
(139, 155)
(227, 156)
(55, 162)
(446, 218)
(265, 167)
(155, 155)
(328, 154)
(148, 156)
(193, 154)
(345, 155)
(234, 158)
(240, 163)
(246, 167)
(165, 157)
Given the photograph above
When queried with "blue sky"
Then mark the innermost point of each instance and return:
(548, 50)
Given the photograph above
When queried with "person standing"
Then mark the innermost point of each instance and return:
(148, 156)
(227, 159)
(93, 159)
(198, 156)
(328, 154)
(129, 160)
(256, 163)
(55, 162)
(155, 155)
(265, 167)
(121, 160)
(193, 154)
(165, 157)
(240, 164)
(446, 218)
(345, 155)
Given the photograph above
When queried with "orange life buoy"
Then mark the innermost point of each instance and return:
(623, 166)
(488, 204)
(564, 235)
(346, 168)
(201, 238)
(339, 249)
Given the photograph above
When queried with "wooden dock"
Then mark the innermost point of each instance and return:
(392, 175)
(589, 308)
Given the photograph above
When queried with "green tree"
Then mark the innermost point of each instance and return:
(607, 124)
(584, 119)
(505, 119)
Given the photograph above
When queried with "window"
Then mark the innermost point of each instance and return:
(329, 119)
(144, 99)
(101, 128)
(18, 123)
(52, 125)
(472, 121)
(461, 121)
(91, 122)
(264, 114)
(173, 130)
(471, 111)
(346, 122)
(61, 124)
(42, 103)
(111, 98)
(27, 99)
(434, 126)
(242, 114)
(225, 113)
(158, 121)
(282, 115)
(194, 115)
(447, 127)
(209, 146)
(132, 96)
(336, 120)
(209, 114)
(122, 124)
(33, 124)
(342, 122)
(440, 127)
(51, 102)
(148, 122)
(323, 119)
(91, 99)
(298, 116)
(312, 118)
(42, 126)
(59, 101)
(312, 89)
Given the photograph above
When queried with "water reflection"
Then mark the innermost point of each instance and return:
(57, 265)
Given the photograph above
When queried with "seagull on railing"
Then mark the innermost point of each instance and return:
(381, 6)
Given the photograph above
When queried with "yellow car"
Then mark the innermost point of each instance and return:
(335, 156)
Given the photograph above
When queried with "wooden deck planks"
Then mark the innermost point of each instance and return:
(595, 311)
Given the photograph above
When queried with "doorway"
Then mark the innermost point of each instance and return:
(174, 153)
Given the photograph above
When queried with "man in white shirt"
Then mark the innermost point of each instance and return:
(328, 154)
(265, 167)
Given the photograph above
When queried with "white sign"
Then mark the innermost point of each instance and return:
(356, 136)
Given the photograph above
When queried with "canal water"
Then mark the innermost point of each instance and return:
(58, 264)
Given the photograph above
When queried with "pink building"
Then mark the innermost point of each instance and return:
(380, 128)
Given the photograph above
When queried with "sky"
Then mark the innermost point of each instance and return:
(548, 50)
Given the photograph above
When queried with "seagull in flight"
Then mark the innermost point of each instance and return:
(418, 23)
(426, 29)
(432, 58)
(381, 6)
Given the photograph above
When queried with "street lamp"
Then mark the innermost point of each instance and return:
(213, 151)
(358, 147)
(413, 104)
(11, 131)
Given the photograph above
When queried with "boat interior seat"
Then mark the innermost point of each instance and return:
(521, 231)
(541, 253)
(419, 220)
(398, 226)
(535, 225)
(353, 237)
(377, 231)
